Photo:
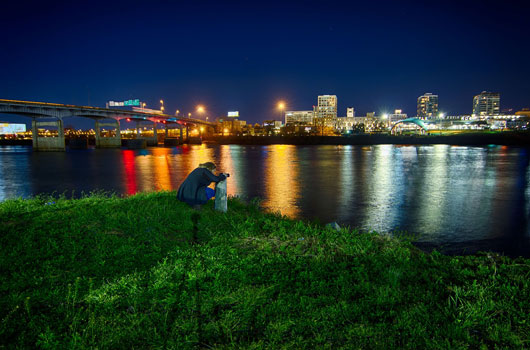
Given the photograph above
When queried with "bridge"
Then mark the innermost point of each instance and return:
(104, 117)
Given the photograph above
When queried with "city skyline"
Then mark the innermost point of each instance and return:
(247, 57)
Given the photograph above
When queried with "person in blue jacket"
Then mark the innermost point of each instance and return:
(194, 190)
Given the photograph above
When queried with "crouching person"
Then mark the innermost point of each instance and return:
(194, 190)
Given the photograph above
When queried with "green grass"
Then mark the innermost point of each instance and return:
(123, 273)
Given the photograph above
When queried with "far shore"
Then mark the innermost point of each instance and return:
(507, 138)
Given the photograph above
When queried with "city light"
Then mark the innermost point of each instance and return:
(281, 107)
(200, 109)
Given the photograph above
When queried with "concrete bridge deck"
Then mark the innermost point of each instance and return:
(104, 117)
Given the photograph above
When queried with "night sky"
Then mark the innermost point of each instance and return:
(375, 56)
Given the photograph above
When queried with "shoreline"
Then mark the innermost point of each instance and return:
(506, 138)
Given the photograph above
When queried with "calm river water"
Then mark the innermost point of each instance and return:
(458, 199)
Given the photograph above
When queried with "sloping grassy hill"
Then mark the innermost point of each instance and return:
(134, 273)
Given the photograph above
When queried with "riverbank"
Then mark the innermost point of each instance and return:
(521, 139)
(134, 273)
(508, 138)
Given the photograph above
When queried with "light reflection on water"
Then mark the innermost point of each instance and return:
(443, 194)
(281, 185)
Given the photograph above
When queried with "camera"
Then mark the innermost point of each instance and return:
(227, 174)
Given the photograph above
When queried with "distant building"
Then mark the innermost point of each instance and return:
(345, 123)
(427, 106)
(327, 106)
(272, 126)
(397, 116)
(350, 112)
(370, 115)
(231, 126)
(303, 117)
(486, 103)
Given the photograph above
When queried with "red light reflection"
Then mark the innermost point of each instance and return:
(130, 171)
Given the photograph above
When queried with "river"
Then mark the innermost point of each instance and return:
(457, 199)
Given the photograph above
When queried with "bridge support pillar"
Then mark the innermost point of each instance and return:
(138, 129)
(181, 136)
(154, 140)
(108, 141)
(48, 143)
(150, 141)
(187, 133)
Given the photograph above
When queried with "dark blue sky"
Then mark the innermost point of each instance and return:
(375, 56)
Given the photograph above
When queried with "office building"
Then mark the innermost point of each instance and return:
(304, 117)
(350, 112)
(397, 116)
(427, 106)
(487, 103)
(327, 107)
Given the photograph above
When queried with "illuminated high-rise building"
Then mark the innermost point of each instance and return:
(327, 106)
(427, 106)
(350, 112)
(487, 103)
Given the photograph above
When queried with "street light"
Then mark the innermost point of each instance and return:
(143, 106)
(201, 109)
(162, 105)
(177, 113)
(281, 107)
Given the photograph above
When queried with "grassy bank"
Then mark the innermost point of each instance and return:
(127, 273)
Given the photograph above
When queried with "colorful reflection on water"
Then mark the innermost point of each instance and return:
(443, 194)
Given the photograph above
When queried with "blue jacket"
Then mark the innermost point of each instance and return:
(193, 189)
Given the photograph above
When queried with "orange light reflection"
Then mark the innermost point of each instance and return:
(161, 169)
(228, 167)
(281, 179)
